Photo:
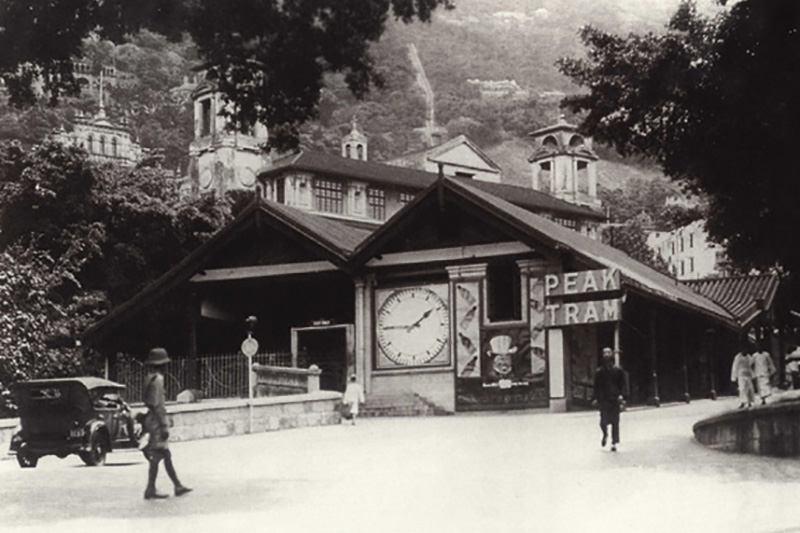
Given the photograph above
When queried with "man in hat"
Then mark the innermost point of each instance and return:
(157, 427)
(609, 396)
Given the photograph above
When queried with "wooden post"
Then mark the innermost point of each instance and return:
(193, 313)
(709, 343)
(655, 400)
(685, 349)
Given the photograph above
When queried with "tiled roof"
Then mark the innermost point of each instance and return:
(744, 296)
(635, 273)
(318, 162)
(338, 237)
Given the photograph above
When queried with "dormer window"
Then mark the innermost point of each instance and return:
(205, 117)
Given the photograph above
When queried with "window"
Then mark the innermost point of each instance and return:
(460, 174)
(328, 196)
(691, 240)
(682, 241)
(406, 197)
(376, 203)
(280, 191)
(347, 152)
(566, 222)
(205, 117)
(691, 264)
(683, 268)
(503, 291)
(114, 146)
(102, 145)
(360, 152)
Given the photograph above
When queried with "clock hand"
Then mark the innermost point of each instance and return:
(416, 324)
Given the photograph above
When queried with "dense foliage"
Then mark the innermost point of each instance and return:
(714, 102)
(268, 57)
(77, 239)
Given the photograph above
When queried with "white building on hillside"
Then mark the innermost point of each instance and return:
(688, 251)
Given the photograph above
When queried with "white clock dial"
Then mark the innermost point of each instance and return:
(413, 326)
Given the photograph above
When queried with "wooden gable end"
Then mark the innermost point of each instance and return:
(264, 244)
(451, 226)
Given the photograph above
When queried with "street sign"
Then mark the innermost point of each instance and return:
(249, 346)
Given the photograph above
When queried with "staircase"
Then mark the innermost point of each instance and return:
(400, 404)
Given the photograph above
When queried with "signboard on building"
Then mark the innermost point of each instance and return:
(575, 313)
(583, 282)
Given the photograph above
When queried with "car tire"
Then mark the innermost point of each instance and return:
(96, 456)
(27, 461)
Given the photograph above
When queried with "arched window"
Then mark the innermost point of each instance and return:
(114, 146)
(90, 144)
(550, 142)
(576, 141)
(102, 145)
(347, 151)
(360, 152)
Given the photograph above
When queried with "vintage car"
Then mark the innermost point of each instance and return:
(84, 415)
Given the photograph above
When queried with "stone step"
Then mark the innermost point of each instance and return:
(404, 404)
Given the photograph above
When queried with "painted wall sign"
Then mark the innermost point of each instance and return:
(586, 281)
(574, 313)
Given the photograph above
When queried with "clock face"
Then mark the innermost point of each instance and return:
(413, 326)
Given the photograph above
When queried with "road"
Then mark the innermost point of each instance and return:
(518, 471)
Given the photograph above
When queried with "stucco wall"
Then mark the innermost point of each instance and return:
(223, 418)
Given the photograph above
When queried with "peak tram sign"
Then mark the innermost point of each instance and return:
(587, 283)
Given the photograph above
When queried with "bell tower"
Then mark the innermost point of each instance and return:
(354, 144)
(564, 164)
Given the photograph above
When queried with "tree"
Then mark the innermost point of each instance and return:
(268, 57)
(78, 238)
(714, 102)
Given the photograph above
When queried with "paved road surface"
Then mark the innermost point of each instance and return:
(510, 472)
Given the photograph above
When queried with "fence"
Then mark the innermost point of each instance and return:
(221, 375)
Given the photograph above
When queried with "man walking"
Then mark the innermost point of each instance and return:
(763, 368)
(609, 395)
(742, 375)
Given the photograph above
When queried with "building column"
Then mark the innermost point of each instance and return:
(685, 359)
(369, 343)
(617, 347)
(360, 363)
(556, 370)
(193, 315)
(654, 399)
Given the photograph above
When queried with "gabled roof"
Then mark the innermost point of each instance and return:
(334, 240)
(746, 297)
(434, 152)
(416, 180)
(636, 275)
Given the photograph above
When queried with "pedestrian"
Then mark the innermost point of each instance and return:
(763, 369)
(156, 425)
(353, 395)
(793, 367)
(609, 396)
(742, 374)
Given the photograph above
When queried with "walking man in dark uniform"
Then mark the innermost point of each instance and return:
(609, 396)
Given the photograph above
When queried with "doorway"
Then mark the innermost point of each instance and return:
(328, 347)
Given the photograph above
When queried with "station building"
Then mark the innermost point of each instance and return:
(468, 296)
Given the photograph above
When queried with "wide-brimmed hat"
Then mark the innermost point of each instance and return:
(157, 356)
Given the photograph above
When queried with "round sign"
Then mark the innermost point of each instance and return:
(249, 346)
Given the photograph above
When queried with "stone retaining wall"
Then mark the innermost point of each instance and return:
(223, 418)
(772, 429)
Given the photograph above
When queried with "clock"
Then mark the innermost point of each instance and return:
(413, 326)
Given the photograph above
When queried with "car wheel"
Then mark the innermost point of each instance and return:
(27, 461)
(96, 456)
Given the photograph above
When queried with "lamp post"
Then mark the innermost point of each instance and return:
(249, 349)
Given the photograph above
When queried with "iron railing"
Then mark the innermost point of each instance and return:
(220, 375)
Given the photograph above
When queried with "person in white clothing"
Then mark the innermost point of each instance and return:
(763, 369)
(353, 396)
(742, 374)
